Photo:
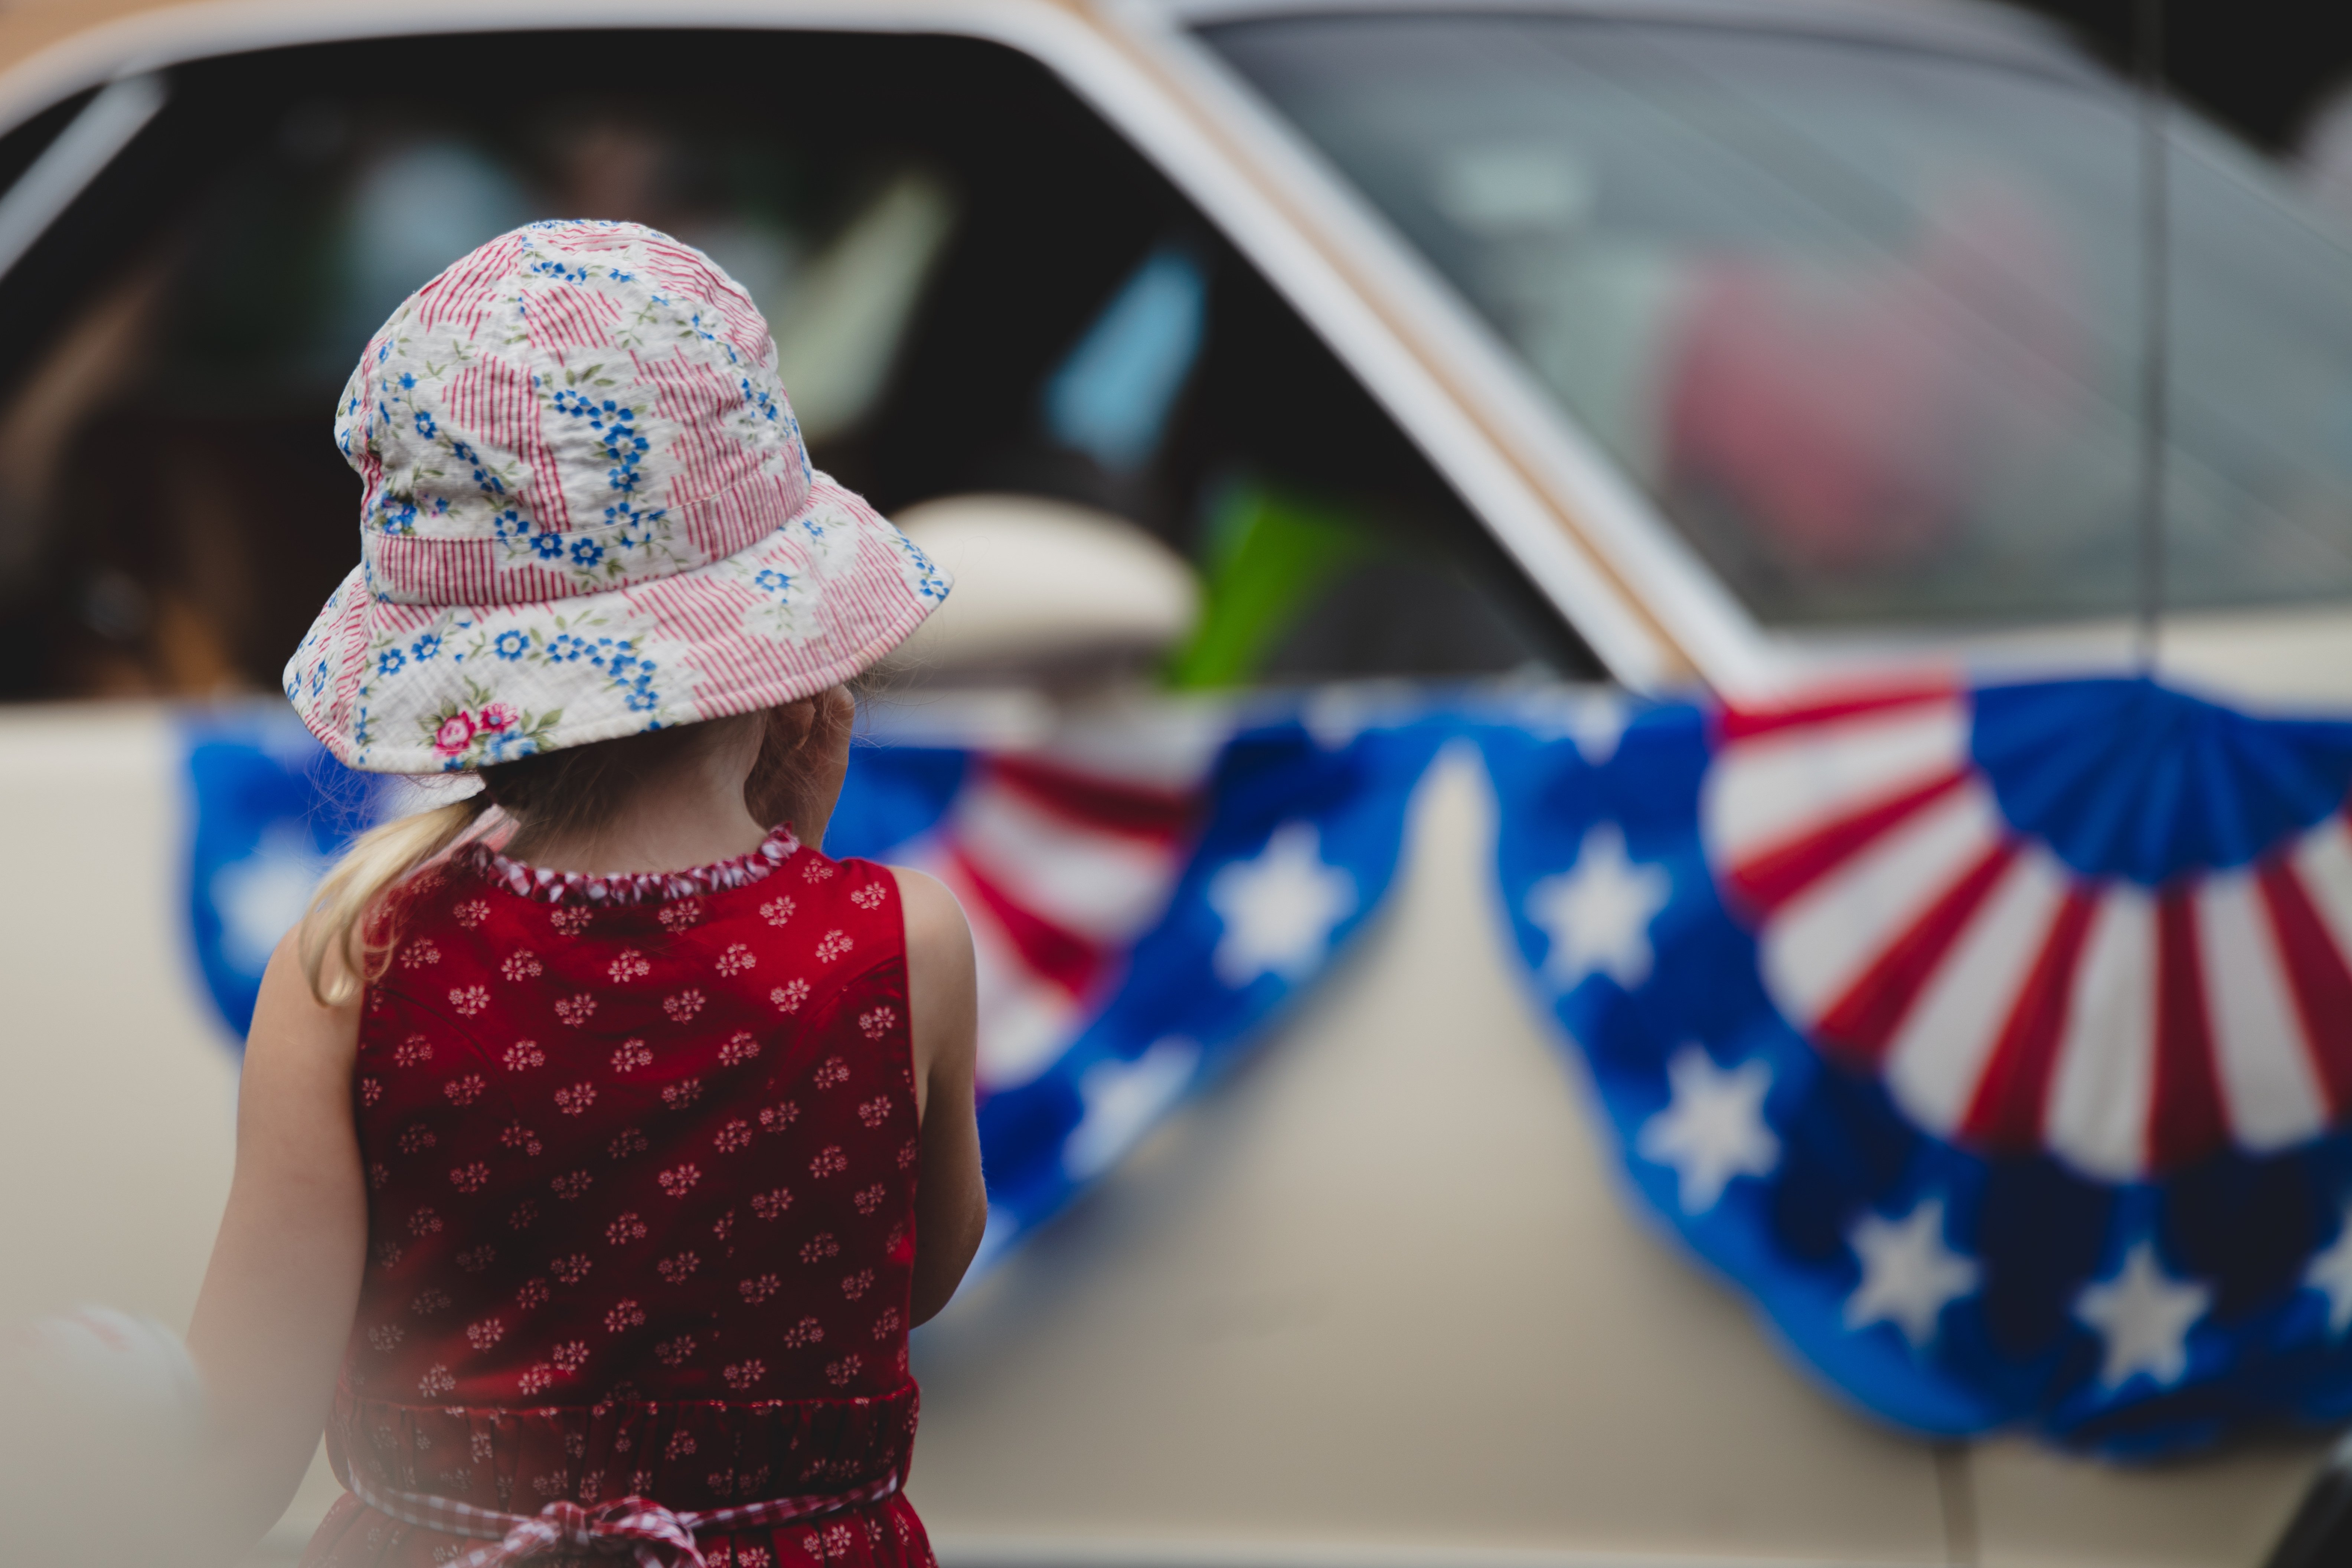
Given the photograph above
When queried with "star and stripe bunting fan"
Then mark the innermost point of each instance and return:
(1989, 1040)
(2099, 918)
(1996, 1041)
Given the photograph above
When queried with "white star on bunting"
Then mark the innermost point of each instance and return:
(1597, 912)
(1595, 721)
(1279, 908)
(2330, 1273)
(261, 896)
(1908, 1273)
(1123, 1100)
(2143, 1315)
(1713, 1127)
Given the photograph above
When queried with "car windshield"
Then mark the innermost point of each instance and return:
(1864, 319)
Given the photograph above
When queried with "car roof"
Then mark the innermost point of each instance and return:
(1974, 26)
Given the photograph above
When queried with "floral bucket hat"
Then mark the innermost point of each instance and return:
(587, 513)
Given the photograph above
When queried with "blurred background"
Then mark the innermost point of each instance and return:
(1550, 365)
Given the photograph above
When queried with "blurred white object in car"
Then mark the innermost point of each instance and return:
(1044, 587)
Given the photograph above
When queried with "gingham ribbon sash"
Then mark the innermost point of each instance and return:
(655, 1535)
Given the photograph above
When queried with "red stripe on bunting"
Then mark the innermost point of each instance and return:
(1059, 956)
(1861, 1024)
(1766, 881)
(2184, 1114)
(2006, 1110)
(2317, 974)
(1136, 811)
(1746, 723)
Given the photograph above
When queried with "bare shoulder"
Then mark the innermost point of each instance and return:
(941, 986)
(289, 1015)
(935, 923)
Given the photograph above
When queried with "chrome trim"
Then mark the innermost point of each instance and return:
(66, 166)
(1924, 23)
(1093, 67)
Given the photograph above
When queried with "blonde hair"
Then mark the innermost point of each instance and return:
(339, 919)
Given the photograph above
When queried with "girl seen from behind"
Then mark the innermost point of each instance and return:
(600, 1138)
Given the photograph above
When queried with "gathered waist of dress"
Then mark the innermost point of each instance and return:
(693, 1455)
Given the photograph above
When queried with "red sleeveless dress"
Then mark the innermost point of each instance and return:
(641, 1160)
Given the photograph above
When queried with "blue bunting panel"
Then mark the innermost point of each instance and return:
(1297, 850)
(271, 811)
(1998, 1042)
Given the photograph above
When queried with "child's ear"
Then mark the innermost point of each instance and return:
(772, 790)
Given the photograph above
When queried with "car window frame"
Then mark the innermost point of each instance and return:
(1739, 655)
(1115, 76)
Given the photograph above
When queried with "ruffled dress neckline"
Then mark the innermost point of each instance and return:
(613, 887)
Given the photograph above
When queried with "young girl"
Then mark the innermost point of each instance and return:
(600, 1138)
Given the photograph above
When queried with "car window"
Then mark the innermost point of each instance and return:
(1864, 319)
(974, 285)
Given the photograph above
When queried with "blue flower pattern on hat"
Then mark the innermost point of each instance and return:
(587, 511)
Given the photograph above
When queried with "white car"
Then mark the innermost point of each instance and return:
(1667, 345)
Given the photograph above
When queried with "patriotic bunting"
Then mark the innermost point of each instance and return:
(1998, 1042)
